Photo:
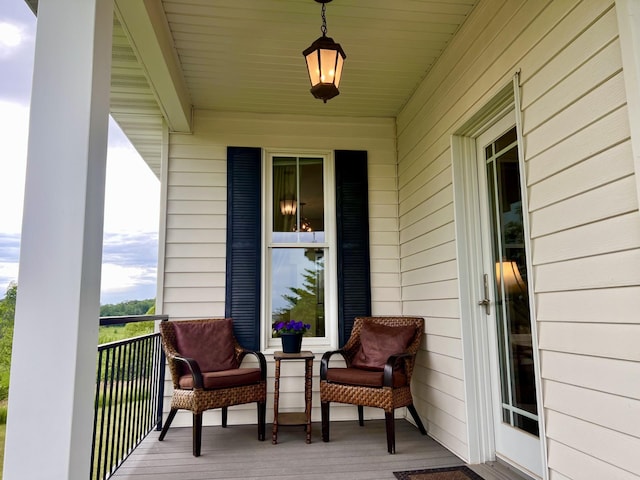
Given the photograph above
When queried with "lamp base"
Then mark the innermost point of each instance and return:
(325, 91)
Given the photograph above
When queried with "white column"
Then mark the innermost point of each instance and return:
(53, 366)
(628, 12)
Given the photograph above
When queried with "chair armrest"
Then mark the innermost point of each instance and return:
(324, 363)
(387, 378)
(193, 367)
(261, 360)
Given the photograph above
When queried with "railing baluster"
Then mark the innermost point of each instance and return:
(129, 396)
(135, 388)
(145, 381)
(160, 369)
(131, 399)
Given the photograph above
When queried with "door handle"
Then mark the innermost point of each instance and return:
(485, 302)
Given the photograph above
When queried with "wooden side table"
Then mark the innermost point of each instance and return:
(293, 418)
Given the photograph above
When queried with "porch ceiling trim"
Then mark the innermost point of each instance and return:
(146, 26)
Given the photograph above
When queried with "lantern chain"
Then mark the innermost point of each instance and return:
(323, 29)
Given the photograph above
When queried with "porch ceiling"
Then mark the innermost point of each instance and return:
(246, 56)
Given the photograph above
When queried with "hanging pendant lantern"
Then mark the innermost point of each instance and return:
(325, 59)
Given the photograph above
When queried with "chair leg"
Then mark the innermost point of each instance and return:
(167, 424)
(391, 431)
(262, 415)
(324, 410)
(361, 415)
(197, 433)
(224, 417)
(416, 418)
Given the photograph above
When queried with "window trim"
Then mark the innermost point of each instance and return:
(330, 340)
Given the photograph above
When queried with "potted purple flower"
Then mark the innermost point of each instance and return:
(291, 333)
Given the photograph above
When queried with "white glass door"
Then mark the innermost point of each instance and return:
(506, 304)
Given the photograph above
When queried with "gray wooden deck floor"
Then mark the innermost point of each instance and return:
(354, 453)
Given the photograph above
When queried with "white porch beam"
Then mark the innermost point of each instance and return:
(53, 366)
(628, 12)
(147, 27)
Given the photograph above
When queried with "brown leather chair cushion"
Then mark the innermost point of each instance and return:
(210, 344)
(378, 342)
(363, 378)
(225, 379)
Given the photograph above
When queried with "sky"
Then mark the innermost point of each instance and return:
(130, 248)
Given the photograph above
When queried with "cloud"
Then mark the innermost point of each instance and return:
(14, 125)
(117, 279)
(9, 254)
(129, 265)
(130, 250)
(129, 269)
(132, 197)
(12, 36)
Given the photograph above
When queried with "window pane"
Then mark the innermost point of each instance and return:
(297, 287)
(285, 194)
(512, 301)
(298, 200)
(311, 196)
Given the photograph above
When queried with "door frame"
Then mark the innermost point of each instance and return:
(475, 332)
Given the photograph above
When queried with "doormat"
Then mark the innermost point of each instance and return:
(449, 473)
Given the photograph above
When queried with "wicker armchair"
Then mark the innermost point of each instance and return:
(204, 359)
(380, 356)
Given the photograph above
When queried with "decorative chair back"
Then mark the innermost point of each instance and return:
(353, 344)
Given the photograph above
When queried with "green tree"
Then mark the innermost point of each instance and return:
(304, 304)
(131, 307)
(7, 314)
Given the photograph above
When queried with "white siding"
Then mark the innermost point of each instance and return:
(584, 220)
(194, 278)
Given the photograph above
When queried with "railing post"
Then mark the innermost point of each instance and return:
(161, 377)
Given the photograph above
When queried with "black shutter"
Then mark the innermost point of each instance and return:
(352, 221)
(244, 227)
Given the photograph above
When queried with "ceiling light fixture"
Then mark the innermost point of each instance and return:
(288, 205)
(325, 59)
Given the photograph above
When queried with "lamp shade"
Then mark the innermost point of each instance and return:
(509, 272)
(325, 59)
(288, 206)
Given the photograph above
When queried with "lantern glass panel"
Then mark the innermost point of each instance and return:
(327, 65)
(339, 69)
(313, 67)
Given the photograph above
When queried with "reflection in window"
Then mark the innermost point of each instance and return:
(298, 200)
(297, 287)
(512, 302)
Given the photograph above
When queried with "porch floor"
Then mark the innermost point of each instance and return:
(354, 453)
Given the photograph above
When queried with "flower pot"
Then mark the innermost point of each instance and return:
(291, 342)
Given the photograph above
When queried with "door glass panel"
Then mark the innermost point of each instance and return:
(519, 408)
(297, 287)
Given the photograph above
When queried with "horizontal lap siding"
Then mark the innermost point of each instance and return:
(585, 232)
(194, 278)
(583, 212)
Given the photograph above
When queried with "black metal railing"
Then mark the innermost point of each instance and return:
(129, 395)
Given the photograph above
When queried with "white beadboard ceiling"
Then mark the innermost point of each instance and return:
(246, 56)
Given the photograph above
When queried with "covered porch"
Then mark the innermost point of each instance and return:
(202, 86)
(354, 453)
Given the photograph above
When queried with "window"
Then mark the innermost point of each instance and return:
(326, 258)
(298, 247)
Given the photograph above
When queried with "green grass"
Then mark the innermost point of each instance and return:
(120, 332)
(3, 432)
